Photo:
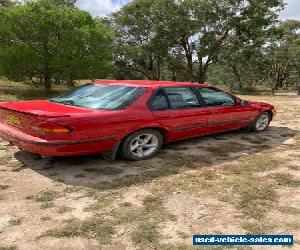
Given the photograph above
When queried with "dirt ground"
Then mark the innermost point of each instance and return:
(231, 183)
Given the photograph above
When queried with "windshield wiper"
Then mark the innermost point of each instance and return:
(68, 102)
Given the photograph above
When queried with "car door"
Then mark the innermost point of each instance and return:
(225, 113)
(180, 111)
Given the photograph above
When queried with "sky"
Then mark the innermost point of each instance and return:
(105, 7)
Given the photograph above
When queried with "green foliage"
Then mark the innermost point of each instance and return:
(282, 64)
(240, 43)
(49, 40)
(154, 35)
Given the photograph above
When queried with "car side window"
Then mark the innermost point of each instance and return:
(214, 97)
(181, 98)
(159, 101)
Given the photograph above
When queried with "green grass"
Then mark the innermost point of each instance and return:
(46, 196)
(145, 233)
(285, 180)
(256, 163)
(15, 221)
(183, 235)
(64, 209)
(126, 204)
(89, 229)
(289, 210)
(46, 205)
(8, 248)
(255, 199)
(99, 205)
(73, 189)
(258, 227)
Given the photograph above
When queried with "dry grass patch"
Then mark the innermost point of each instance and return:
(8, 248)
(64, 209)
(145, 233)
(46, 198)
(289, 210)
(255, 200)
(3, 187)
(256, 163)
(97, 229)
(99, 205)
(73, 189)
(285, 180)
(15, 221)
(255, 227)
(45, 218)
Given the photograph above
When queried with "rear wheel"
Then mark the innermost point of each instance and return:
(262, 122)
(142, 144)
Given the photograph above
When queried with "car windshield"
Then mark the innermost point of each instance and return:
(100, 96)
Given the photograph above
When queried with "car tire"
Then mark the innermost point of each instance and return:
(261, 123)
(141, 145)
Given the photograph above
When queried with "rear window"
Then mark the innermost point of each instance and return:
(100, 96)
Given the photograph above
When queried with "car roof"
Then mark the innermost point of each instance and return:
(149, 83)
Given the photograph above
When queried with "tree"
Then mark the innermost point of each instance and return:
(211, 27)
(282, 59)
(40, 40)
(139, 45)
(68, 3)
(200, 30)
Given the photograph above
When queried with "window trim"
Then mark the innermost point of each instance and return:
(217, 90)
(191, 88)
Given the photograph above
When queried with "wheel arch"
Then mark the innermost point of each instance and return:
(162, 131)
(269, 112)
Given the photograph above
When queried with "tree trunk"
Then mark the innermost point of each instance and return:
(202, 77)
(237, 75)
(71, 83)
(158, 70)
(47, 81)
(202, 74)
(174, 75)
(189, 57)
(190, 68)
(299, 90)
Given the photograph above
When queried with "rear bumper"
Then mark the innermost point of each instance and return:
(56, 147)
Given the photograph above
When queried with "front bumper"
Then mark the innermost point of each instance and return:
(55, 147)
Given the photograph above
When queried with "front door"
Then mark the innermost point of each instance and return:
(225, 112)
(180, 111)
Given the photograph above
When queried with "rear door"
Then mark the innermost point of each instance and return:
(225, 113)
(180, 110)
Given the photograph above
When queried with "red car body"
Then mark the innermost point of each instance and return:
(100, 131)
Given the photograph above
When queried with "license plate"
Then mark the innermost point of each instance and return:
(13, 119)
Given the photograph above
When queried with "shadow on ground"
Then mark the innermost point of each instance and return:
(93, 171)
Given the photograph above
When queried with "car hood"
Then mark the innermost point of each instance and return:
(44, 108)
(263, 104)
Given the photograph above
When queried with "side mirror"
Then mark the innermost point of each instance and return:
(244, 102)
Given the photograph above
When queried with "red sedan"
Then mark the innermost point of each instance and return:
(134, 118)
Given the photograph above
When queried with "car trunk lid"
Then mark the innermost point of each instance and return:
(24, 114)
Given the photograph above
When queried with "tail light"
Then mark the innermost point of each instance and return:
(51, 128)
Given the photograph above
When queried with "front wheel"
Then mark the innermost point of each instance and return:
(262, 122)
(141, 145)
